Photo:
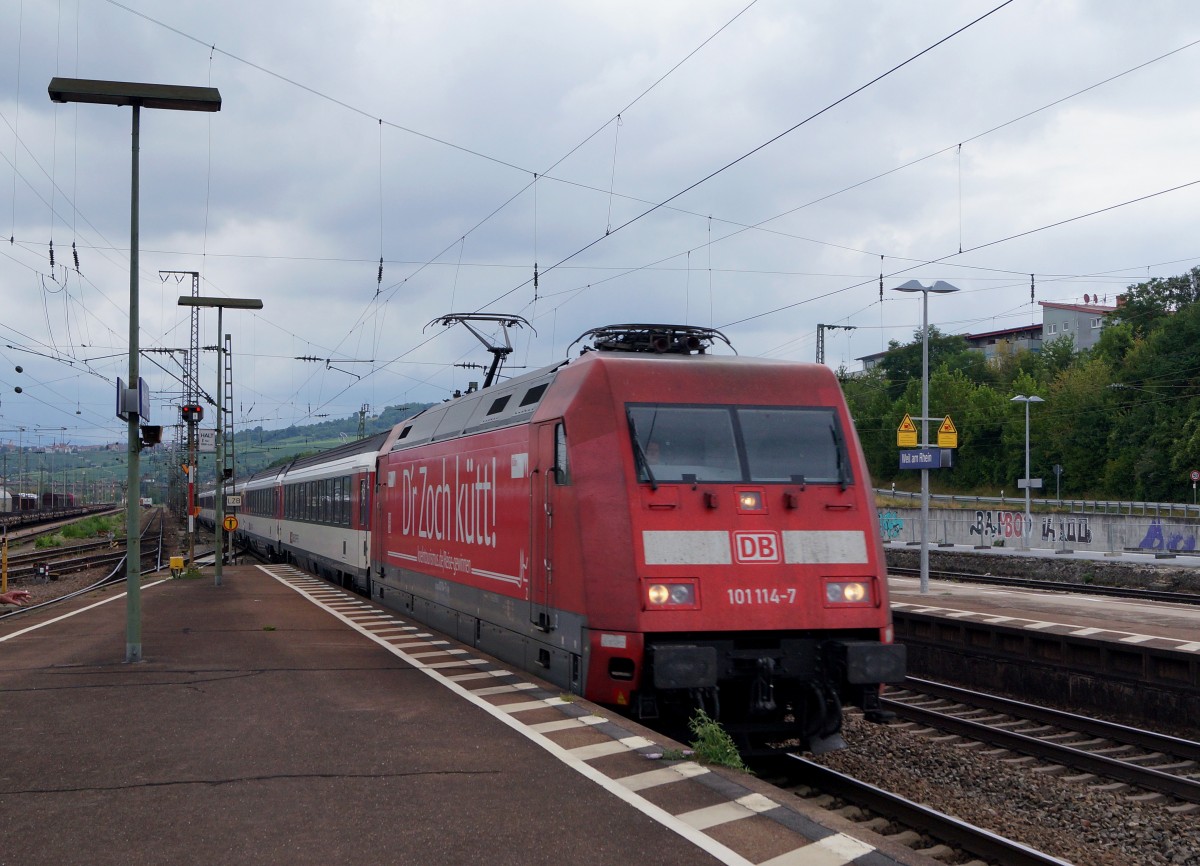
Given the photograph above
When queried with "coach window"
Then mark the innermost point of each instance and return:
(562, 469)
(363, 504)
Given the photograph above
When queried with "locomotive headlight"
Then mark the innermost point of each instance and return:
(847, 592)
(750, 500)
(671, 595)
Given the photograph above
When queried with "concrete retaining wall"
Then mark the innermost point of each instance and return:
(1008, 528)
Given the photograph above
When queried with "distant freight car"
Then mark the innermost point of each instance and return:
(58, 500)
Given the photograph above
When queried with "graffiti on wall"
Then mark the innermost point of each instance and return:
(890, 524)
(1074, 529)
(1160, 537)
(995, 525)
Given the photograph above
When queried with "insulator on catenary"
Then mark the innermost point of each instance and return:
(75, 254)
(379, 276)
(51, 255)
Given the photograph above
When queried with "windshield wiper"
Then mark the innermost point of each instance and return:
(839, 443)
(640, 454)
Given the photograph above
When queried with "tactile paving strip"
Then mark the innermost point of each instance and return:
(731, 822)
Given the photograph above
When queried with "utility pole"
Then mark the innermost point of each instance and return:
(192, 412)
(821, 329)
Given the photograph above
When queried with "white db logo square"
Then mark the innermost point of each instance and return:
(756, 547)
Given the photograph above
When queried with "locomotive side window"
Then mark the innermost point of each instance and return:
(562, 469)
(767, 444)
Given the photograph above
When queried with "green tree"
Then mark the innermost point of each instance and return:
(1147, 306)
(1078, 416)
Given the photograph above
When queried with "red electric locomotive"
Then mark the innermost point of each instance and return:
(654, 527)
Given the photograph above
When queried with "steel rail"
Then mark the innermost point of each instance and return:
(1139, 737)
(946, 828)
(1146, 778)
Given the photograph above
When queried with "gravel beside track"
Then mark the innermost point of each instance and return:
(1066, 819)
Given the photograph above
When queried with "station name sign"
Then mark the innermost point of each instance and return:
(926, 458)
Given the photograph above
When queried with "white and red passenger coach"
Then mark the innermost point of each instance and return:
(650, 526)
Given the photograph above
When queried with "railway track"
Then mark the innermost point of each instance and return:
(908, 823)
(1099, 752)
(1054, 586)
(152, 536)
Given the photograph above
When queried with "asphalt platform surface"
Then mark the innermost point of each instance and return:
(278, 719)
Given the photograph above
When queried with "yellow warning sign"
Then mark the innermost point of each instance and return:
(947, 434)
(230, 523)
(906, 433)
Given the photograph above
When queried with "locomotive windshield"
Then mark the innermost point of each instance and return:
(764, 444)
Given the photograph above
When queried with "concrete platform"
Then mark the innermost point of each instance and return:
(1163, 625)
(278, 719)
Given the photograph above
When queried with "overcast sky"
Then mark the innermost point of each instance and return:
(462, 142)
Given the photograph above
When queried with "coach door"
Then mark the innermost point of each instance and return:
(548, 473)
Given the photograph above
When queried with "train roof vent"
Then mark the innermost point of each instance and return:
(653, 339)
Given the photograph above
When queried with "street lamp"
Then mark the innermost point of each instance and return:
(942, 288)
(137, 96)
(219, 497)
(1021, 398)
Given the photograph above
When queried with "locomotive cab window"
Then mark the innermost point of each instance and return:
(763, 444)
(562, 469)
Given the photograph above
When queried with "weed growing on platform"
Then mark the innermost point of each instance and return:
(676, 754)
(713, 744)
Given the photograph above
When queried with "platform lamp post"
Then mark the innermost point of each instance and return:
(1021, 398)
(942, 288)
(219, 497)
(137, 96)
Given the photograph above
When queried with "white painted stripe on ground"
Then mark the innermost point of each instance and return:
(457, 663)
(758, 803)
(665, 776)
(835, 850)
(599, 750)
(525, 706)
(439, 652)
(560, 725)
(500, 690)
(711, 816)
(458, 678)
(705, 843)
(651, 779)
(76, 612)
(1034, 625)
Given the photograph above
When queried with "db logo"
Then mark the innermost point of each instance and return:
(756, 546)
